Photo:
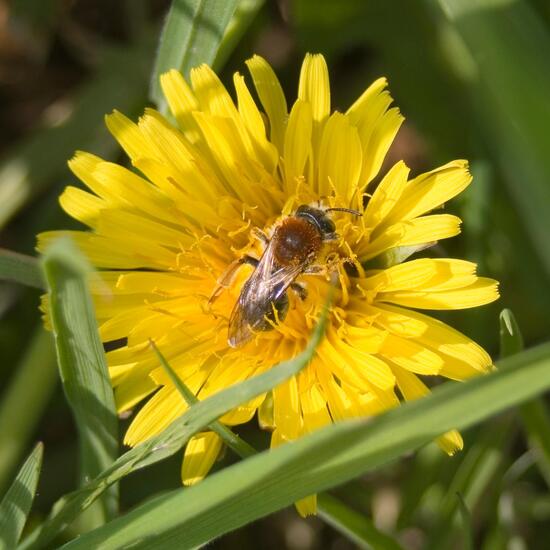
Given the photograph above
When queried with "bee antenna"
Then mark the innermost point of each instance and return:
(349, 210)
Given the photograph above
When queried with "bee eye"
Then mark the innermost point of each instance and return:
(327, 225)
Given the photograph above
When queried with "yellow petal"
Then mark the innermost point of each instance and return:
(430, 190)
(412, 356)
(297, 144)
(377, 126)
(132, 391)
(307, 506)
(314, 408)
(339, 158)
(265, 414)
(156, 415)
(314, 86)
(200, 454)
(286, 409)
(451, 442)
(386, 194)
(426, 274)
(82, 206)
(182, 102)
(434, 334)
(253, 122)
(483, 291)
(375, 150)
(427, 229)
(272, 97)
(129, 136)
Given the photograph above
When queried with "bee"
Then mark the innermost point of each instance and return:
(295, 245)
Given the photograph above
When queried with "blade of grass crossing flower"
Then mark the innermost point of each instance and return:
(353, 525)
(20, 268)
(17, 502)
(534, 413)
(330, 456)
(24, 401)
(171, 440)
(82, 365)
(230, 438)
(191, 35)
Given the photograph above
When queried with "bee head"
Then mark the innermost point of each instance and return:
(319, 219)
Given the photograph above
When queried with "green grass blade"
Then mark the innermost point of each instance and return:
(511, 340)
(502, 42)
(272, 480)
(356, 527)
(20, 268)
(24, 401)
(17, 502)
(172, 439)
(231, 439)
(466, 523)
(244, 15)
(191, 35)
(534, 413)
(82, 364)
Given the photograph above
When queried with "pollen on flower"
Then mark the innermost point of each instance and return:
(185, 248)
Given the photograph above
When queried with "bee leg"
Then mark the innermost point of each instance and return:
(300, 290)
(315, 270)
(229, 274)
(260, 235)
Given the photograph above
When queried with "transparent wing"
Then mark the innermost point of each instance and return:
(267, 283)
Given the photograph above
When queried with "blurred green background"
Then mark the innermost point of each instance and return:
(472, 78)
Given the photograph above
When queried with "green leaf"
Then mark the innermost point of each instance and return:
(501, 44)
(231, 439)
(466, 523)
(511, 340)
(20, 269)
(191, 35)
(82, 364)
(534, 413)
(172, 439)
(353, 525)
(272, 480)
(17, 502)
(24, 401)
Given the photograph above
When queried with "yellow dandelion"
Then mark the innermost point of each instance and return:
(199, 249)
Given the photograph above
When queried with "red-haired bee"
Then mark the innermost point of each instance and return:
(292, 250)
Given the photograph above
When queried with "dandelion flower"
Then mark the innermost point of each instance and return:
(164, 233)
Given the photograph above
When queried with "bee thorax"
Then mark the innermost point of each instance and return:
(296, 241)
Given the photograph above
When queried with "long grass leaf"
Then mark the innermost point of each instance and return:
(534, 413)
(170, 441)
(272, 480)
(82, 364)
(17, 502)
(20, 268)
(24, 400)
(502, 43)
(353, 525)
(191, 35)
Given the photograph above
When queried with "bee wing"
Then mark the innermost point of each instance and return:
(266, 284)
(239, 330)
